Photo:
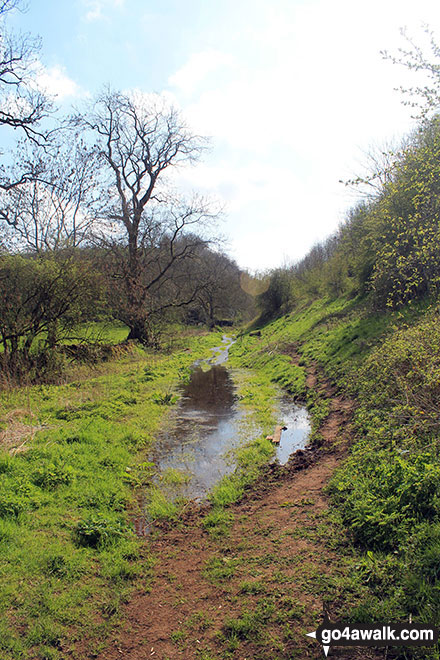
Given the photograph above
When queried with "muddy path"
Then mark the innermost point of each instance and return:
(253, 592)
(202, 433)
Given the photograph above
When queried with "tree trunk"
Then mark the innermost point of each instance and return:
(138, 332)
(52, 335)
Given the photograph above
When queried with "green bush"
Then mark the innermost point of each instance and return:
(383, 497)
(98, 531)
(388, 490)
(51, 475)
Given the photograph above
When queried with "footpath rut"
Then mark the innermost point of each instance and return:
(268, 572)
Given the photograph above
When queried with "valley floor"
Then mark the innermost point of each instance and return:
(255, 590)
(350, 526)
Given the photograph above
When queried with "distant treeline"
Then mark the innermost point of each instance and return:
(388, 249)
(91, 224)
(47, 298)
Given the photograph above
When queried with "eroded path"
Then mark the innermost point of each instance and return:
(254, 591)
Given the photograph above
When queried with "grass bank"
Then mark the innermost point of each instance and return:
(257, 398)
(71, 458)
(386, 494)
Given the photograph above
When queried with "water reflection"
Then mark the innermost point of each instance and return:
(203, 429)
(210, 391)
(297, 421)
(195, 450)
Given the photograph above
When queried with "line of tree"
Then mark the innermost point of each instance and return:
(90, 223)
(388, 248)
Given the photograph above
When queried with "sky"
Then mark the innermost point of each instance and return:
(292, 94)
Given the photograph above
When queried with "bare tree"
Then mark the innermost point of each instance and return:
(378, 167)
(163, 276)
(23, 105)
(220, 297)
(138, 138)
(425, 98)
(53, 210)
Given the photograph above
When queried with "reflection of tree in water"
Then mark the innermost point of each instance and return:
(212, 391)
(205, 427)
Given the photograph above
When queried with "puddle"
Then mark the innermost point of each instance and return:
(297, 421)
(219, 354)
(194, 451)
(203, 430)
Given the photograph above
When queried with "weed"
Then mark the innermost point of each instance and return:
(217, 522)
(51, 475)
(252, 587)
(178, 636)
(97, 531)
(164, 398)
(174, 477)
(249, 625)
(200, 620)
(160, 507)
(218, 569)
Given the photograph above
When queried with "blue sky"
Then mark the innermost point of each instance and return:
(291, 92)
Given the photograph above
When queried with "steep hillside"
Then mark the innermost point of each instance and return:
(349, 526)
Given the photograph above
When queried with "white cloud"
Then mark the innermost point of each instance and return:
(197, 68)
(322, 79)
(307, 90)
(272, 212)
(97, 9)
(55, 82)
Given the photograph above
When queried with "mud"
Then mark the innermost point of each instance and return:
(207, 425)
(273, 536)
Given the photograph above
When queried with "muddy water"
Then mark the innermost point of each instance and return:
(297, 421)
(203, 430)
(196, 449)
(219, 354)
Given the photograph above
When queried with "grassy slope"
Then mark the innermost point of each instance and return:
(258, 579)
(66, 547)
(71, 490)
(386, 495)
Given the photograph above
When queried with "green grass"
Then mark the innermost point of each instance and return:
(68, 555)
(105, 332)
(159, 506)
(219, 569)
(73, 455)
(386, 495)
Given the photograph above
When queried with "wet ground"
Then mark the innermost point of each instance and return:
(203, 430)
(297, 421)
(207, 425)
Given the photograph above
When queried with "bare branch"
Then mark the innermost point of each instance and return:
(137, 138)
(425, 99)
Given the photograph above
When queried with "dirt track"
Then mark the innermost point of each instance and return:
(276, 556)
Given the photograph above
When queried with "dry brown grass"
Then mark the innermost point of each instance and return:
(18, 432)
